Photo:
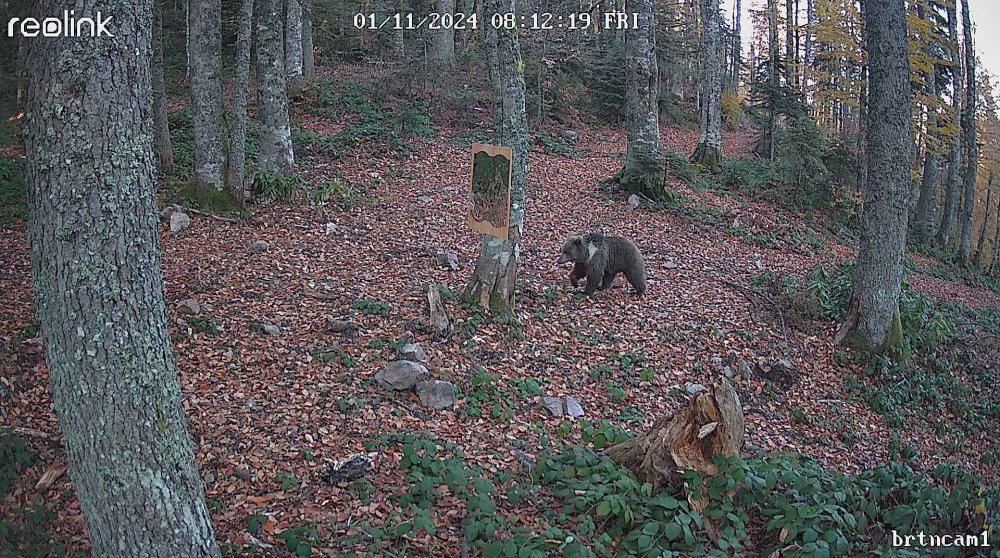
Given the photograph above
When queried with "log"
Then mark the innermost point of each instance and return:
(710, 424)
(437, 314)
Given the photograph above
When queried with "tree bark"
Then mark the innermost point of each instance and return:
(709, 149)
(924, 218)
(969, 147)
(879, 270)
(308, 50)
(791, 55)
(772, 67)
(444, 38)
(276, 156)
(161, 128)
(981, 244)
(241, 91)
(494, 278)
(206, 93)
(293, 44)
(807, 53)
(641, 173)
(949, 214)
(996, 243)
(99, 290)
(737, 46)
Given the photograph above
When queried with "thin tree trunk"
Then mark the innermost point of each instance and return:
(495, 277)
(276, 156)
(772, 66)
(20, 71)
(709, 149)
(790, 54)
(807, 53)
(308, 50)
(981, 244)
(737, 45)
(161, 128)
(444, 38)
(923, 225)
(241, 91)
(206, 93)
(293, 44)
(949, 216)
(99, 291)
(969, 146)
(873, 318)
(996, 243)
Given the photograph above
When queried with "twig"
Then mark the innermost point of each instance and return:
(213, 216)
(749, 294)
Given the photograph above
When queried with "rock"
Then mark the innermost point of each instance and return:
(425, 199)
(414, 352)
(669, 264)
(634, 201)
(716, 361)
(259, 247)
(745, 372)
(437, 394)
(728, 372)
(573, 407)
(331, 228)
(242, 473)
(553, 405)
(188, 307)
(436, 312)
(351, 469)
(694, 389)
(270, 329)
(208, 477)
(447, 259)
(571, 135)
(251, 403)
(339, 326)
(401, 375)
(169, 210)
(179, 221)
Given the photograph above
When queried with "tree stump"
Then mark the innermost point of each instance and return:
(710, 424)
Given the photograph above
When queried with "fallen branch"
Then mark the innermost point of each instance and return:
(750, 295)
(213, 216)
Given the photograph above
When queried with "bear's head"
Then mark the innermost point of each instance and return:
(574, 250)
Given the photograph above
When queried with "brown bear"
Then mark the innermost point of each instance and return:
(601, 258)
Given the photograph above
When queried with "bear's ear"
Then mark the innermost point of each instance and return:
(576, 239)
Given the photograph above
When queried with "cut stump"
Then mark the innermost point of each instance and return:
(710, 424)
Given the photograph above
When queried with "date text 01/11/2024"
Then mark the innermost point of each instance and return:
(532, 21)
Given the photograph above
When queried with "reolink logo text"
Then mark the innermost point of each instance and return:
(68, 26)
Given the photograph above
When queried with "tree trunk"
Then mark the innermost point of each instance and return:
(711, 424)
(293, 44)
(494, 279)
(790, 54)
(969, 147)
(276, 156)
(772, 67)
(737, 46)
(241, 91)
(641, 173)
(996, 243)
(924, 219)
(161, 129)
(949, 214)
(206, 93)
(879, 270)
(308, 50)
(99, 290)
(981, 244)
(807, 53)
(444, 38)
(709, 150)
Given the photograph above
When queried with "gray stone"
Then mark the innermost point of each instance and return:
(669, 264)
(179, 221)
(242, 473)
(401, 375)
(728, 372)
(270, 329)
(188, 307)
(745, 371)
(447, 259)
(425, 199)
(437, 394)
(694, 389)
(634, 201)
(414, 352)
(260, 246)
(716, 361)
(786, 364)
(553, 405)
(331, 228)
(571, 135)
(573, 407)
(339, 326)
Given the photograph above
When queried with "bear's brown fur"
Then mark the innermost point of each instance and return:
(601, 258)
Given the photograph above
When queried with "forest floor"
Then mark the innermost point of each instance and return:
(267, 412)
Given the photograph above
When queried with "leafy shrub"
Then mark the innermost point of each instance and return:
(13, 195)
